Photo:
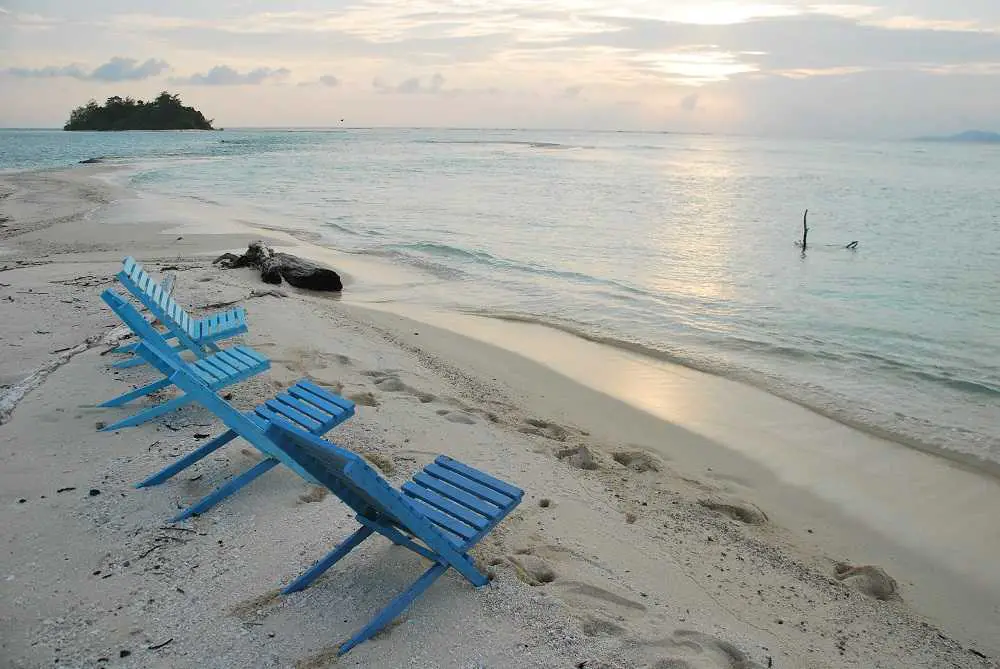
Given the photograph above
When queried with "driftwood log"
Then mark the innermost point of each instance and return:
(277, 266)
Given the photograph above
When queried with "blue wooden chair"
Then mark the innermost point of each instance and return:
(216, 371)
(445, 510)
(304, 404)
(198, 335)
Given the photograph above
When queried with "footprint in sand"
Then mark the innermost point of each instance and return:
(365, 399)
(737, 509)
(870, 580)
(596, 626)
(315, 494)
(694, 650)
(390, 384)
(456, 416)
(543, 428)
(639, 461)
(579, 457)
(532, 569)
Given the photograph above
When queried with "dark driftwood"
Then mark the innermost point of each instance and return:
(277, 266)
(805, 229)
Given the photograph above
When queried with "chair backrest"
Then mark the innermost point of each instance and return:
(155, 298)
(347, 475)
(139, 325)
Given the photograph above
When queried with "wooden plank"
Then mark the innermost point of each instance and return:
(468, 485)
(445, 505)
(443, 520)
(480, 477)
(477, 503)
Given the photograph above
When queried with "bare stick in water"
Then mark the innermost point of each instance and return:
(805, 229)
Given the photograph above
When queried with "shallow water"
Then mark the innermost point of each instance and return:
(681, 247)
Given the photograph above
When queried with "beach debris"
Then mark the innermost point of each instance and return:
(639, 461)
(92, 161)
(737, 509)
(158, 646)
(94, 492)
(274, 267)
(545, 502)
(69, 489)
(124, 653)
(868, 579)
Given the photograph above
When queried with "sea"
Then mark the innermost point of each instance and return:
(684, 248)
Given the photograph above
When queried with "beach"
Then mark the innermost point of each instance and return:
(671, 519)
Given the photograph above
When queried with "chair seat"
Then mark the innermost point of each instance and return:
(305, 405)
(219, 326)
(462, 502)
(226, 367)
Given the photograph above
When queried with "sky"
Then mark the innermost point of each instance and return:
(844, 68)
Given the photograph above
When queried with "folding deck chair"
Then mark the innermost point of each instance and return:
(217, 371)
(193, 334)
(448, 508)
(304, 404)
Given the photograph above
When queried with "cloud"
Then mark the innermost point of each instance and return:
(329, 80)
(689, 103)
(412, 86)
(223, 75)
(572, 92)
(116, 69)
(128, 69)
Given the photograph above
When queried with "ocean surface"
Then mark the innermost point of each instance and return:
(679, 247)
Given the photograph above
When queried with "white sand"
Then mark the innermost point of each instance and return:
(644, 574)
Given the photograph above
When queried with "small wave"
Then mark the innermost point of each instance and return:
(339, 228)
(484, 258)
(963, 385)
(506, 142)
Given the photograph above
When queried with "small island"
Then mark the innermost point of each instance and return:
(166, 112)
(969, 136)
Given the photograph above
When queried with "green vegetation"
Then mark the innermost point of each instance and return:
(166, 112)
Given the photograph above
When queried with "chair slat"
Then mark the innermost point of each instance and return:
(467, 484)
(317, 401)
(336, 399)
(478, 476)
(302, 407)
(219, 366)
(467, 499)
(442, 519)
(290, 413)
(231, 360)
(445, 505)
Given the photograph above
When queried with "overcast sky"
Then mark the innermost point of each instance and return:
(846, 68)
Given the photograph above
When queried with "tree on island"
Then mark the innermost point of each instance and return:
(166, 112)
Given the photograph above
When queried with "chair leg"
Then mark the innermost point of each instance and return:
(137, 393)
(224, 491)
(395, 607)
(331, 558)
(183, 463)
(149, 414)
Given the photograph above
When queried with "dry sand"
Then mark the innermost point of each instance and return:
(640, 542)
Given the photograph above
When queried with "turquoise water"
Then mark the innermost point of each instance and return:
(681, 247)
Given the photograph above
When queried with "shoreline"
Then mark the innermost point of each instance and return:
(571, 414)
